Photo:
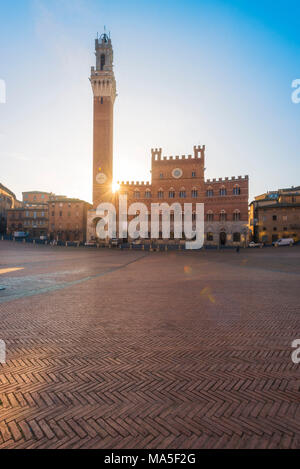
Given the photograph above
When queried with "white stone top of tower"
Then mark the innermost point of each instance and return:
(102, 76)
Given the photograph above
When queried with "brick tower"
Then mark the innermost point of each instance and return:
(104, 90)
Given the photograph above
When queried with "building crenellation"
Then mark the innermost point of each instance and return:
(226, 179)
(134, 184)
(156, 154)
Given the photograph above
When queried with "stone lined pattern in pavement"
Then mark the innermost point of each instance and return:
(167, 350)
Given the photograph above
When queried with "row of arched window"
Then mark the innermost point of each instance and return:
(222, 216)
(223, 191)
(170, 194)
(183, 193)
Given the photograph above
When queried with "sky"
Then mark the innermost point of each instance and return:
(188, 72)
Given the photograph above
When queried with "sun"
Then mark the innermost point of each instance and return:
(115, 187)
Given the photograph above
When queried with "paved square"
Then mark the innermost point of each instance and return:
(130, 349)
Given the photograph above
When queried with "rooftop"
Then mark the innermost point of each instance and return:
(7, 190)
(37, 192)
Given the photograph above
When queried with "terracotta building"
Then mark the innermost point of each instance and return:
(31, 216)
(31, 220)
(275, 215)
(67, 219)
(35, 197)
(44, 214)
(173, 179)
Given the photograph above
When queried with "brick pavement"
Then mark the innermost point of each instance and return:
(110, 349)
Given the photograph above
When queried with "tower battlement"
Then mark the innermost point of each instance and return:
(199, 152)
(156, 153)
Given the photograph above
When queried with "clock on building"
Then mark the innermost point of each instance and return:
(177, 173)
(101, 178)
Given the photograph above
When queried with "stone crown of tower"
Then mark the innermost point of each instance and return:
(102, 76)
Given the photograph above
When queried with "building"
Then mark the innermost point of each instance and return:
(181, 179)
(46, 214)
(275, 215)
(36, 197)
(31, 218)
(173, 179)
(7, 201)
(67, 219)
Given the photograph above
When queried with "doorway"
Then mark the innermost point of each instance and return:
(222, 238)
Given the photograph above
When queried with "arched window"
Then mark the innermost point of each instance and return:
(182, 193)
(223, 190)
(194, 193)
(171, 193)
(210, 192)
(102, 61)
(236, 190)
(222, 216)
(148, 194)
(210, 216)
(160, 194)
(236, 237)
(236, 215)
(209, 236)
(136, 194)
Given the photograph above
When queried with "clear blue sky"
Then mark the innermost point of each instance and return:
(196, 72)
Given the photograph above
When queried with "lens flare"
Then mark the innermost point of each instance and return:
(206, 292)
(187, 269)
(115, 187)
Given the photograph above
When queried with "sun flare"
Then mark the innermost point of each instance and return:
(115, 187)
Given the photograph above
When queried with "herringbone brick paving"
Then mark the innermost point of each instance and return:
(110, 349)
